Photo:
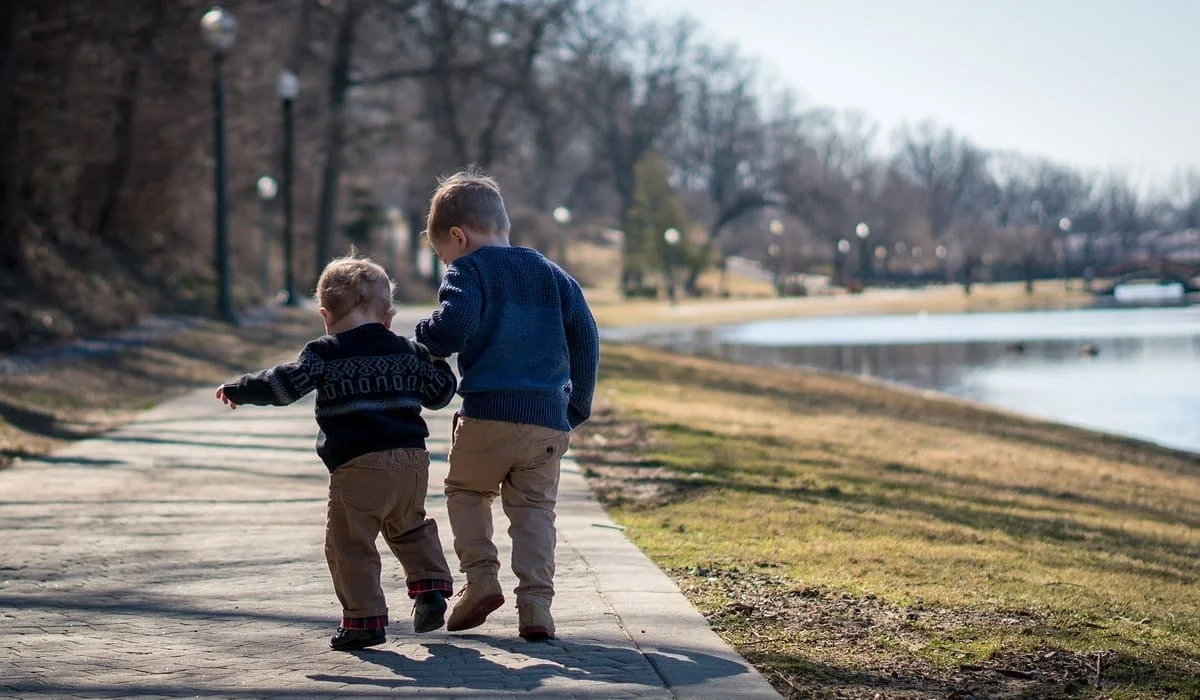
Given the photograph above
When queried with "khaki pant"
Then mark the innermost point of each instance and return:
(380, 492)
(520, 464)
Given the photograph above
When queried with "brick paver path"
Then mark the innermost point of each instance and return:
(183, 556)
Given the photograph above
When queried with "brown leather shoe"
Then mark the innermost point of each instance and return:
(534, 622)
(478, 599)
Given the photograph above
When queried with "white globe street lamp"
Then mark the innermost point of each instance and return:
(267, 188)
(289, 85)
(219, 29)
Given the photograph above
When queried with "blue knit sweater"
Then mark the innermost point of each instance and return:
(527, 345)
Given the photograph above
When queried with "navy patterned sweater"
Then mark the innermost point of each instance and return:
(527, 345)
(370, 384)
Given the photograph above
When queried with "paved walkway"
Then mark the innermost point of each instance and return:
(183, 556)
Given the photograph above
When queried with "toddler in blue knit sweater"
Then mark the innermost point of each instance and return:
(528, 353)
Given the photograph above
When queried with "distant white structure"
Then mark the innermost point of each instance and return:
(1148, 293)
(745, 267)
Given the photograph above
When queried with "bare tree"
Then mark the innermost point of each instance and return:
(629, 89)
(1121, 212)
(1183, 199)
(141, 46)
(951, 174)
(948, 168)
(718, 147)
(10, 184)
(340, 65)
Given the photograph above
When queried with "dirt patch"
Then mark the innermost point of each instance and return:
(813, 642)
(613, 450)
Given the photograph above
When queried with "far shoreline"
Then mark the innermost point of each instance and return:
(651, 335)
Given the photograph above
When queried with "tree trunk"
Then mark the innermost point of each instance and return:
(109, 224)
(335, 135)
(10, 175)
(696, 268)
(441, 87)
(631, 276)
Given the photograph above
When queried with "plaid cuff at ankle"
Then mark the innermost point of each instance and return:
(377, 622)
(430, 585)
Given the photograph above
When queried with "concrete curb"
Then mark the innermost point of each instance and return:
(651, 609)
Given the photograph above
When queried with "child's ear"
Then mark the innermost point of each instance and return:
(459, 235)
(326, 316)
(387, 319)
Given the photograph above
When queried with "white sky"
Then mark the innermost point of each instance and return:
(1105, 84)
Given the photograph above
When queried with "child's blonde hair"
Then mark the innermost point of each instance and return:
(352, 282)
(468, 199)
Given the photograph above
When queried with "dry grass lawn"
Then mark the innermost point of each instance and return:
(851, 539)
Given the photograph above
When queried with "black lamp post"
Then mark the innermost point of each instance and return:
(941, 252)
(267, 189)
(864, 251)
(1064, 225)
(775, 252)
(289, 89)
(839, 261)
(562, 216)
(219, 28)
(672, 238)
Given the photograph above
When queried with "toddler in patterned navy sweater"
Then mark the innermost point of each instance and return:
(371, 385)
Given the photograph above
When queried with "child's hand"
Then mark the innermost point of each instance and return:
(228, 401)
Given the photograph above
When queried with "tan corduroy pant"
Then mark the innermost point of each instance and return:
(380, 492)
(520, 464)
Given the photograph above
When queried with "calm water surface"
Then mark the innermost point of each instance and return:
(1143, 381)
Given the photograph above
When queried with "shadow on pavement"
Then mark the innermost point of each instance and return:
(451, 666)
(60, 459)
(128, 603)
(146, 439)
(170, 501)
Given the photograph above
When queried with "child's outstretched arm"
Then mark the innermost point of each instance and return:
(451, 326)
(438, 382)
(278, 386)
(583, 345)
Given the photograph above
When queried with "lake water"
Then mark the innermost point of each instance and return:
(1143, 379)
